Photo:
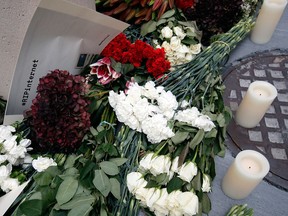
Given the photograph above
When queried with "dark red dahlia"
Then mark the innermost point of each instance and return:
(59, 113)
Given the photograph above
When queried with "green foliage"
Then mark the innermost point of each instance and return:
(81, 183)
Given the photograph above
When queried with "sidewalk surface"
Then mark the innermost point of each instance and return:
(266, 199)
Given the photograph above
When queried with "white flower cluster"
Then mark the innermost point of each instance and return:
(158, 200)
(196, 119)
(177, 52)
(146, 109)
(12, 153)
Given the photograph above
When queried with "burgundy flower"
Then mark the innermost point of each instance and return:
(184, 4)
(59, 114)
(104, 71)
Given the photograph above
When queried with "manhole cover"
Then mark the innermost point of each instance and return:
(270, 136)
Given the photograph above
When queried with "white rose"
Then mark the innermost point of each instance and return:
(187, 171)
(206, 184)
(5, 171)
(160, 206)
(174, 166)
(141, 195)
(166, 46)
(42, 163)
(175, 43)
(12, 159)
(204, 122)
(3, 158)
(195, 48)
(160, 164)
(18, 151)
(10, 143)
(145, 163)
(179, 32)
(166, 32)
(6, 132)
(173, 203)
(135, 180)
(9, 184)
(189, 203)
(188, 57)
(152, 196)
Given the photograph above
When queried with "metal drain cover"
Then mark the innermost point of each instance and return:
(270, 136)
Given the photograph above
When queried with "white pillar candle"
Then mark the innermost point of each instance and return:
(255, 103)
(244, 174)
(267, 20)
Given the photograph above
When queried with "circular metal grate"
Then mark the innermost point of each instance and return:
(270, 136)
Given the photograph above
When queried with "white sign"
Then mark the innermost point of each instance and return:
(61, 36)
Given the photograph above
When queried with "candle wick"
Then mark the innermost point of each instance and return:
(249, 167)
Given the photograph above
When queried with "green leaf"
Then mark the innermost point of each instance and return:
(78, 201)
(161, 21)
(206, 203)
(109, 167)
(148, 27)
(93, 131)
(221, 120)
(66, 190)
(174, 184)
(82, 210)
(70, 161)
(103, 212)
(43, 178)
(88, 167)
(168, 14)
(197, 139)
(196, 182)
(179, 137)
(212, 133)
(115, 188)
(70, 172)
(118, 161)
(31, 207)
(102, 182)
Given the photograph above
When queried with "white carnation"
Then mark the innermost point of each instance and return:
(10, 143)
(188, 115)
(204, 122)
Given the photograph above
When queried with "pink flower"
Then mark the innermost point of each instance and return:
(104, 71)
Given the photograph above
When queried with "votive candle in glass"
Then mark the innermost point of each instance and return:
(256, 102)
(245, 173)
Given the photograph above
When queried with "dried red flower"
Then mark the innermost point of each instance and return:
(59, 113)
